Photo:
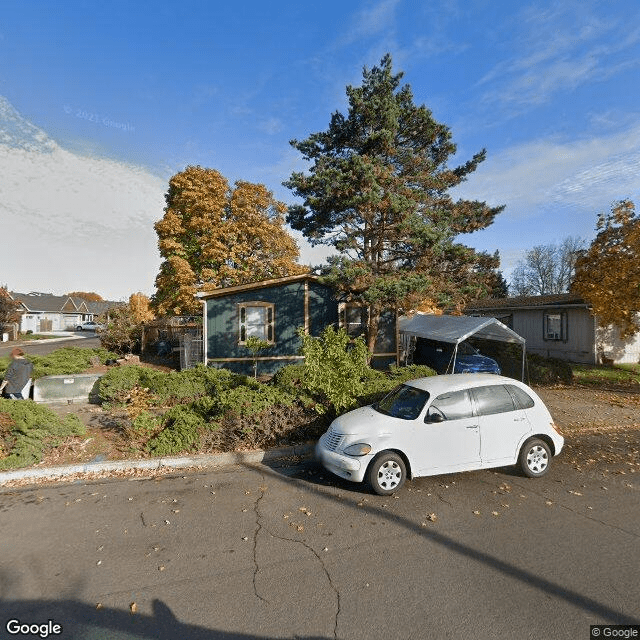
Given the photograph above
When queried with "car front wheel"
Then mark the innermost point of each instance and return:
(78, 328)
(535, 458)
(387, 473)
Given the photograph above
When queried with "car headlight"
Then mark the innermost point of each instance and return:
(359, 449)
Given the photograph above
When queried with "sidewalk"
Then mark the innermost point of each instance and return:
(95, 470)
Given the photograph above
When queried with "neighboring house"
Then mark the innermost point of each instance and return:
(46, 312)
(560, 326)
(273, 310)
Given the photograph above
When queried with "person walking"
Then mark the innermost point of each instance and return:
(16, 376)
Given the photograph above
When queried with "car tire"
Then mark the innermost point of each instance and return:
(78, 328)
(535, 458)
(387, 473)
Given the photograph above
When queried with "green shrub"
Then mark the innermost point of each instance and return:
(115, 385)
(28, 429)
(247, 401)
(181, 431)
(276, 426)
(411, 372)
(335, 367)
(167, 389)
(144, 425)
(542, 370)
(538, 369)
(377, 383)
(291, 380)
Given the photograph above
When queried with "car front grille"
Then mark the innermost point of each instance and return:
(333, 440)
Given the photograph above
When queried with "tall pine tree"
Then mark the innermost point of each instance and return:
(377, 191)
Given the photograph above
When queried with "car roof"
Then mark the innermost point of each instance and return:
(458, 381)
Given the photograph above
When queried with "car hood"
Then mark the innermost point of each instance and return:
(365, 420)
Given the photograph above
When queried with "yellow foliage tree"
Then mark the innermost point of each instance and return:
(213, 236)
(608, 273)
(140, 307)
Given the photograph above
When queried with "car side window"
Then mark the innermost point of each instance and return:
(454, 405)
(523, 399)
(493, 399)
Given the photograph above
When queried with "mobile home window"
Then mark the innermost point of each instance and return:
(555, 326)
(353, 318)
(256, 319)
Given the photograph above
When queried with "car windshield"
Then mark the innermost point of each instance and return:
(403, 402)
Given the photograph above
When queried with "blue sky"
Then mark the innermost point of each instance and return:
(131, 93)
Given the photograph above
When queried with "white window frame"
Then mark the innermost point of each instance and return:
(269, 325)
(553, 336)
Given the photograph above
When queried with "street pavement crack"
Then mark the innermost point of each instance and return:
(443, 500)
(144, 524)
(324, 569)
(258, 528)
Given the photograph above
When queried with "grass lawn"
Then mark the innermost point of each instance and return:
(35, 336)
(597, 375)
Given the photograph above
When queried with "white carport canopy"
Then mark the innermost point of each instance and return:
(456, 329)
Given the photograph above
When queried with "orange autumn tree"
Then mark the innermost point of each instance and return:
(140, 307)
(608, 273)
(213, 236)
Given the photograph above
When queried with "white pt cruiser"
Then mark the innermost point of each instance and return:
(442, 424)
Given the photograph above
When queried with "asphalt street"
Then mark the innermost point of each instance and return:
(291, 552)
(43, 347)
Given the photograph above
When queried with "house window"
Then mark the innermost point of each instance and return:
(256, 319)
(353, 318)
(555, 326)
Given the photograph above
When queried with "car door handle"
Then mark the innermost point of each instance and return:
(473, 426)
(519, 419)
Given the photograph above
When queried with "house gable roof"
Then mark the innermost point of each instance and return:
(48, 303)
(45, 302)
(223, 291)
(526, 302)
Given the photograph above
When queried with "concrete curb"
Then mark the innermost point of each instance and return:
(200, 461)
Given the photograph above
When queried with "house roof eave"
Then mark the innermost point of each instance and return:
(262, 284)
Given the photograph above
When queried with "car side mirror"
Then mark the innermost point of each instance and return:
(434, 417)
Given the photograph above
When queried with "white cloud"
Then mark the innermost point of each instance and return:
(371, 21)
(559, 50)
(72, 222)
(587, 174)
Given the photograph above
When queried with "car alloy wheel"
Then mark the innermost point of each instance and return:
(535, 458)
(387, 473)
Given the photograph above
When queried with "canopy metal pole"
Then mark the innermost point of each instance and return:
(524, 348)
(455, 355)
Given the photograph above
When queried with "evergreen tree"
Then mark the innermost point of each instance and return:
(377, 191)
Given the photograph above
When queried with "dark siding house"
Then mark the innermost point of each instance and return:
(273, 310)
